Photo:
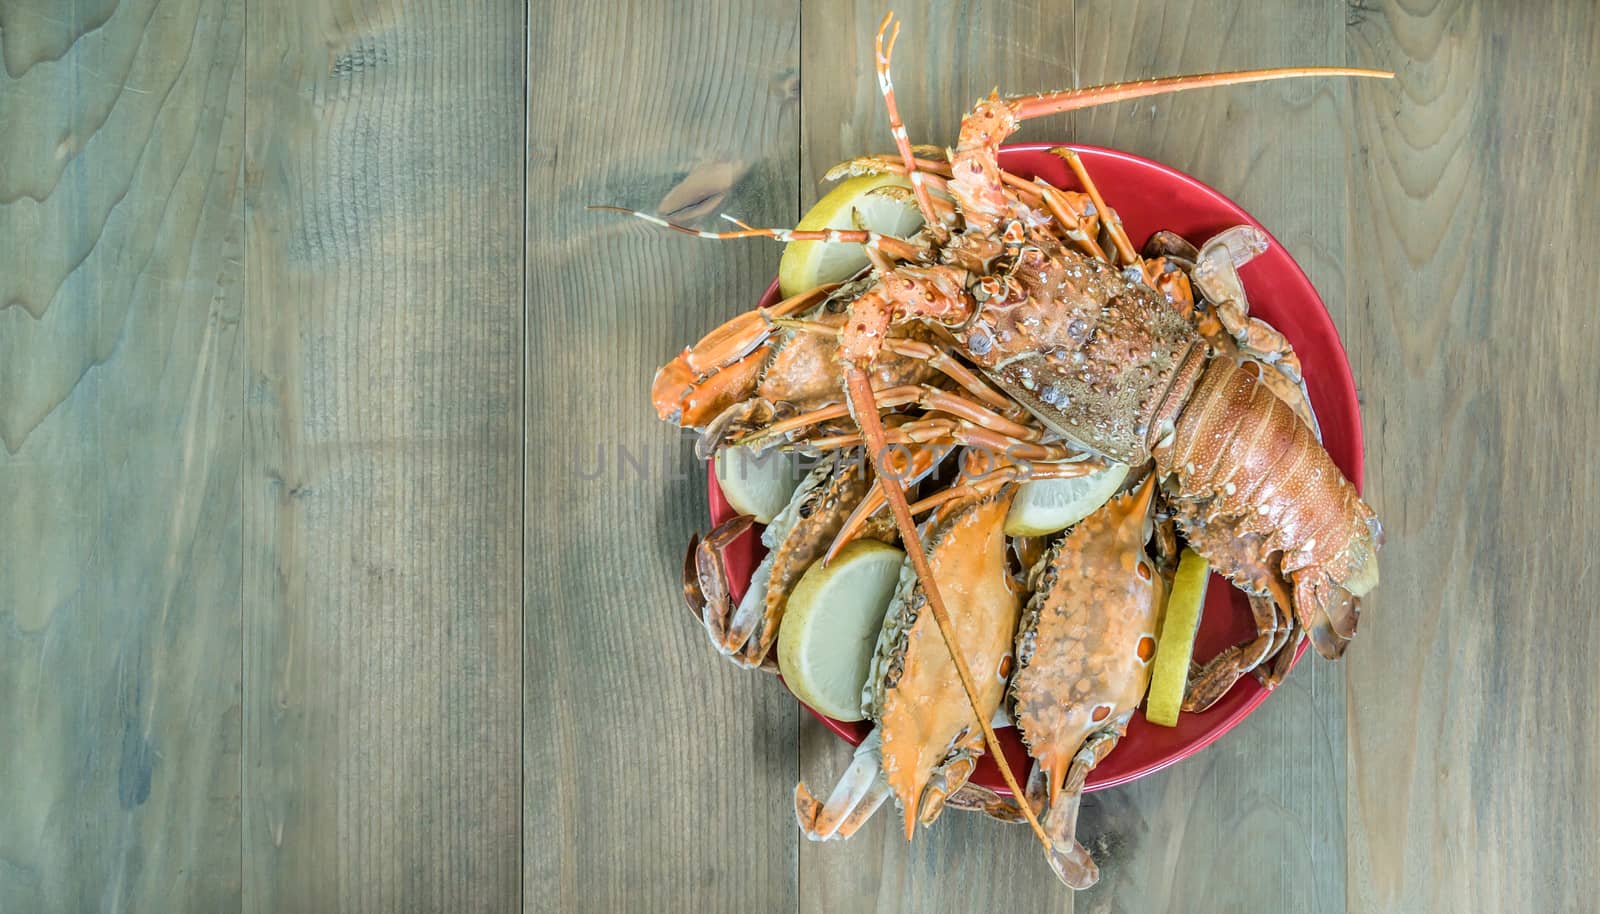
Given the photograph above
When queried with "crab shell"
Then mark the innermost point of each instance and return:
(1088, 635)
(796, 538)
(931, 739)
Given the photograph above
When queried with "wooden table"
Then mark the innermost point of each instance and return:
(339, 546)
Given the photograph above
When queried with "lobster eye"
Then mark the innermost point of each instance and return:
(1143, 571)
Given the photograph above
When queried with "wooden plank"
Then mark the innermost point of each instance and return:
(120, 294)
(1255, 822)
(383, 460)
(657, 775)
(948, 56)
(1475, 781)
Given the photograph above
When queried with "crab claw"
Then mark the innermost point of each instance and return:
(854, 799)
(694, 596)
(705, 575)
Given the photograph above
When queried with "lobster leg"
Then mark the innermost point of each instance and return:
(898, 248)
(994, 479)
(929, 398)
(1070, 209)
(883, 164)
(921, 462)
(974, 486)
(1119, 236)
(724, 366)
(939, 357)
(948, 431)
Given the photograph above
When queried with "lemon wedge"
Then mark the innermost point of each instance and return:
(877, 203)
(831, 624)
(1170, 674)
(1048, 505)
(757, 484)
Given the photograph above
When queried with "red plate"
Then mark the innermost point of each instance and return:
(1150, 197)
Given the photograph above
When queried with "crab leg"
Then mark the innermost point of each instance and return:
(794, 540)
(1218, 676)
(1068, 857)
(948, 778)
(1284, 656)
(739, 336)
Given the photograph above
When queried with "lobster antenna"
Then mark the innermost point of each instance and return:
(897, 128)
(1073, 99)
(865, 407)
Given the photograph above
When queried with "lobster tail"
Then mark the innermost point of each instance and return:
(1256, 494)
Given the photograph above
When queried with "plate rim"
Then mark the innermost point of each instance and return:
(1342, 379)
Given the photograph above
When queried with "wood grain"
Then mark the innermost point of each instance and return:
(120, 293)
(948, 55)
(382, 474)
(1474, 747)
(1256, 822)
(657, 775)
(327, 470)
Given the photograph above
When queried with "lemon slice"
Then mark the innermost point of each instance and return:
(1170, 674)
(757, 484)
(831, 624)
(878, 203)
(1047, 505)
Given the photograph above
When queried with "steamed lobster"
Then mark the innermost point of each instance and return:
(1080, 346)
